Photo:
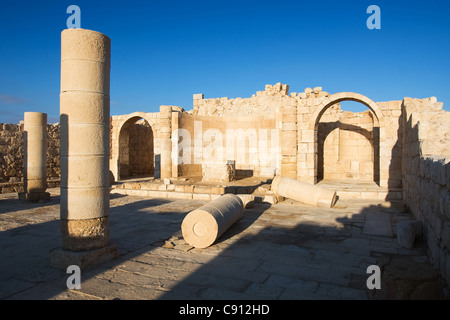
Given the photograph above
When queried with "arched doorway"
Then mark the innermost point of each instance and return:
(136, 149)
(347, 144)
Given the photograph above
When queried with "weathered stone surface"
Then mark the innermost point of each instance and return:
(85, 126)
(303, 192)
(400, 145)
(86, 259)
(407, 232)
(203, 226)
(12, 157)
(85, 234)
(378, 224)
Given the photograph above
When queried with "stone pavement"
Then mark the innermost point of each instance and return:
(286, 251)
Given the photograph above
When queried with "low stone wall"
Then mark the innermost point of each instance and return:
(11, 157)
(426, 175)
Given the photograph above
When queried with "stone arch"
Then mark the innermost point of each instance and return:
(378, 119)
(135, 146)
(347, 96)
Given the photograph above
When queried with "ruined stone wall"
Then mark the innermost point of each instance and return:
(299, 115)
(11, 153)
(11, 157)
(263, 101)
(426, 174)
(292, 112)
(346, 145)
(122, 145)
(140, 149)
(208, 142)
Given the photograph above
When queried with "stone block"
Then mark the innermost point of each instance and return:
(179, 188)
(447, 173)
(289, 126)
(34, 196)
(289, 117)
(433, 167)
(61, 259)
(219, 171)
(158, 194)
(308, 136)
(180, 195)
(445, 235)
(201, 196)
(407, 232)
(447, 207)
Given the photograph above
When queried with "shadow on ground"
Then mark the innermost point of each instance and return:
(290, 260)
(286, 251)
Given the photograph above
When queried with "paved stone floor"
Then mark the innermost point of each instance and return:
(286, 251)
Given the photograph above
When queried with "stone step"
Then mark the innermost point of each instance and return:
(186, 188)
(247, 198)
(362, 190)
(344, 189)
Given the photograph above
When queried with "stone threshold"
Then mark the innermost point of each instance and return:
(254, 191)
(366, 190)
(247, 198)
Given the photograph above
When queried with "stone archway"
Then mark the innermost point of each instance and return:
(135, 148)
(347, 96)
(378, 120)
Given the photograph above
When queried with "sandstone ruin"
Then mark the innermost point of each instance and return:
(85, 68)
(202, 226)
(35, 157)
(398, 149)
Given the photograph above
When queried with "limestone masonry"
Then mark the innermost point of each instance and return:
(12, 157)
(401, 147)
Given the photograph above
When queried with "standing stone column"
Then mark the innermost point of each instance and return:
(165, 131)
(35, 160)
(84, 108)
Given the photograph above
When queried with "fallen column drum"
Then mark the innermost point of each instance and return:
(303, 192)
(203, 226)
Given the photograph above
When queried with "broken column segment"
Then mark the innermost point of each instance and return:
(203, 226)
(84, 108)
(35, 160)
(303, 192)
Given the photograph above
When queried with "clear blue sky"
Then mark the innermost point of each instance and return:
(165, 51)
